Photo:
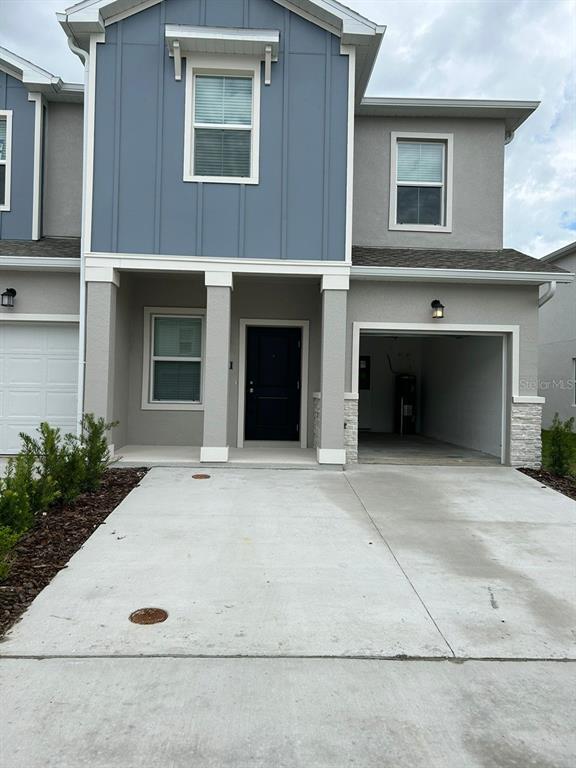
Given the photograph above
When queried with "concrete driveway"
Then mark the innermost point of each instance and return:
(386, 616)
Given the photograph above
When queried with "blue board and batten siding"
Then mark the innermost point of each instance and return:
(16, 224)
(141, 203)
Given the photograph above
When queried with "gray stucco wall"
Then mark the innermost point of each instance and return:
(141, 203)
(470, 304)
(254, 298)
(477, 188)
(16, 224)
(150, 427)
(62, 208)
(558, 348)
(462, 392)
(41, 292)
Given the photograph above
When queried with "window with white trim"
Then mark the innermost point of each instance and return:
(421, 181)
(5, 158)
(175, 359)
(222, 131)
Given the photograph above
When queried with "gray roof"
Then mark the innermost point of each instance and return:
(48, 247)
(503, 260)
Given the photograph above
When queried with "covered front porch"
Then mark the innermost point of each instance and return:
(211, 367)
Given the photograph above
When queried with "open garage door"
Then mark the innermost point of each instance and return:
(38, 378)
(431, 399)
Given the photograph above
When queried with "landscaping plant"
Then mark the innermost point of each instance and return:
(561, 446)
(49, 468)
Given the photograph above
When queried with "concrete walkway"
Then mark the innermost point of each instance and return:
(384, 616)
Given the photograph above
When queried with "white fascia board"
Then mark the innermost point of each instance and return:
(566, 250)
(164, 263)
(40, 263)
(514, 113)
(34, 78)
(421, 274)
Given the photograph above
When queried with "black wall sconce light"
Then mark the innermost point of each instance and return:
(437, 309)
(8, 297)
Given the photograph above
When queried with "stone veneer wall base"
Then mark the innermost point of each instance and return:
(526, 435)
(350, 425)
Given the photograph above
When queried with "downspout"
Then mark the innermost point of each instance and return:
(548, 294)
(85, 58)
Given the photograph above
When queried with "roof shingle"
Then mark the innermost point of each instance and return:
(48, 247)
(503, 260)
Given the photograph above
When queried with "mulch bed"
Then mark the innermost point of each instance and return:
(47, 547)
(565, 485)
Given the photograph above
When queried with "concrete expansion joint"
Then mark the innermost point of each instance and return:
(288, 657)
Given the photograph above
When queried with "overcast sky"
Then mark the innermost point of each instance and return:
(501, 49)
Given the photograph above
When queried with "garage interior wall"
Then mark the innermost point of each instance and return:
(462, 391)
(459, 387)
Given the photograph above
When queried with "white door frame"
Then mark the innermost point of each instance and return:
(510, 335)
(272, 323)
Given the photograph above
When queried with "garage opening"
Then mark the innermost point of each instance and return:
(430, 399)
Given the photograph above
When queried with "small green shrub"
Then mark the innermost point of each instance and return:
(16, 511)
(7, 541)
(95, 449)
(561, 446)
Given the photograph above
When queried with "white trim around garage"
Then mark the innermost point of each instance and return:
(274, 323)
(510, 335)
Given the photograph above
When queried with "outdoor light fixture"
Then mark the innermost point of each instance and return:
(8, 297)
(437, 309)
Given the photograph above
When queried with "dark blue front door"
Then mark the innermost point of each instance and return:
(273, 366)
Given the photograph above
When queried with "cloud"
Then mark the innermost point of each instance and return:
(501, 49)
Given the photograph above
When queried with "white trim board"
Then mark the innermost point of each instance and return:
(8, 317)
(40, 263)
(7, 113)
(447, 186)
(434, 274)
(38, 155)
(146, 403)
(407, 329)
(273, 323)
(221, 65)
(143, 262)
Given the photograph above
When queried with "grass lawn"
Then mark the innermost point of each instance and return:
(546, 450)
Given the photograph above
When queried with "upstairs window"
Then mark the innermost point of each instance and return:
(5, 158)
(223, 132)
(421, 181)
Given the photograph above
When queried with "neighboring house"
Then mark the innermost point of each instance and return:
(261, 244)
(557, 348)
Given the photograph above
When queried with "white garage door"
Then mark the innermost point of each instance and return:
(38, 375)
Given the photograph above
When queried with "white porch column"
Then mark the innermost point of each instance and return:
(100, 347)
(216, 362)
(331, 448)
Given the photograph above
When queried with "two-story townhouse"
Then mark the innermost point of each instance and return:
(41, 127)
(269, 258)
(557, 348)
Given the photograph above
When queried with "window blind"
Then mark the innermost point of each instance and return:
(222, 152)
(3, 125)
(420, 161)
(223, 100)
(177, 337)
(176, 381)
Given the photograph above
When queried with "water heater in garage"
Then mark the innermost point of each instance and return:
(405, 404)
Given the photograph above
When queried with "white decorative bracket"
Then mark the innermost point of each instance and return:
(177, 60)
(268, 65)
